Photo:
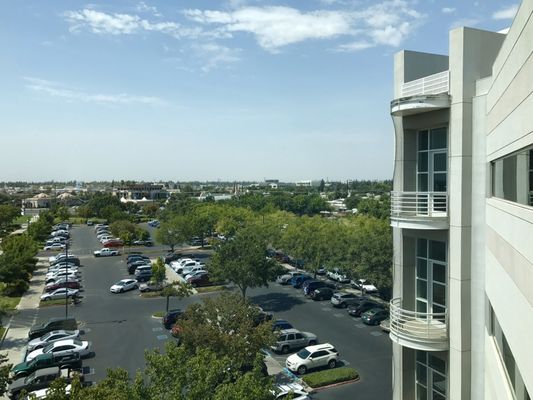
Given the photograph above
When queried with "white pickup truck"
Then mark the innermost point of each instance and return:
(105, 252)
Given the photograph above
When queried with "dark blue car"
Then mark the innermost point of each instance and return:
(281, 324)
(298, 280)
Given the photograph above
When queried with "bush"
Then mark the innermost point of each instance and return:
(330, 376)
(16, 288)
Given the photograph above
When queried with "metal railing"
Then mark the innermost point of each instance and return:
(431, 84)
(424, 328)
(419, 204)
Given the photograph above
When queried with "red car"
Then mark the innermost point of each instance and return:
(113, 243)
(68, 284)
(199, 280)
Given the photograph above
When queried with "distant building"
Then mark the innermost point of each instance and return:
(42, 200)
(141, 193)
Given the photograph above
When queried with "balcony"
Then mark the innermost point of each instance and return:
(422, 95)
(419, 210)
(416, 330)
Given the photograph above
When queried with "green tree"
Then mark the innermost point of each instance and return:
(180, 290)
(158, 271)
(174, 231)
(7, 214)
(4, 374)
(17, 263)
(244, 261)
(227, 326)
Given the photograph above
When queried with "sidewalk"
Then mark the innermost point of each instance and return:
(16, 338)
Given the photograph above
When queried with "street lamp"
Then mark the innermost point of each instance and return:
(66, 278)
(362, 286)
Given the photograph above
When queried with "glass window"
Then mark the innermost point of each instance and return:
(439, 182)
(439, 272)
(423, 140)
(421, 248)
(423, 182)
(439, 138)
(421, 375)
(421, 289)
(437, 250)
(512, 177)
(422, 162)
(421, 268)
(439, 293)
(439, 161)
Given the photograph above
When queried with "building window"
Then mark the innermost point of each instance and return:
(432, 160)
(512, 177)
(507, 358)
(431, 275)
(430, 375)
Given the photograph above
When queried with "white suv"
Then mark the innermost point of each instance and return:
(320, 355)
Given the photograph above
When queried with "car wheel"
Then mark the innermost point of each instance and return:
(302, 369)
(121, 291)
(285, 349)
(46, 299)
(332, 364)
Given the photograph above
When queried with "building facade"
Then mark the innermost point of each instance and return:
(462, 217)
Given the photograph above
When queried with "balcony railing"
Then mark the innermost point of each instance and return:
(419, 204)
(417, 330)
(431, 84)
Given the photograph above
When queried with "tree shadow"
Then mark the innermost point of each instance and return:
(276, 302)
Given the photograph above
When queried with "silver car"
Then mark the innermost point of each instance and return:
(293, 339)
(50, 337)
(60, 294)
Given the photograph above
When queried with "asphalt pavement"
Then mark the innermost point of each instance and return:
(121, 327)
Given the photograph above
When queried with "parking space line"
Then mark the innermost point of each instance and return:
(338, 315)
(359, 325)
(159, 329)
(376, 333)
(162, 337)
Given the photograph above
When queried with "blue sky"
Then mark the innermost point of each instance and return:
(207, 90)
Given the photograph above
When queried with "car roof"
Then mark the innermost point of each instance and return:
(323, 346)
(287, 331)
(47, 371)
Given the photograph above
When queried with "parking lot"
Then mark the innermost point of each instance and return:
(121, 328)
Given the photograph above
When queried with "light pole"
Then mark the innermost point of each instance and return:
(362, 286)
(66, 277)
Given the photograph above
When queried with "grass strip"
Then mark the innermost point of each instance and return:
(209, 289)
(150, 295)
(330, 376)
(58, 302)
(9, 303)
(159, 314)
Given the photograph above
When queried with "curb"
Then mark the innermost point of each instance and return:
(320, 388)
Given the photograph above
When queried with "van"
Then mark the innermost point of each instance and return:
(53, 324)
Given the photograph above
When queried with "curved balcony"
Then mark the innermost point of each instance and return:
(419, 210)
(416, 330)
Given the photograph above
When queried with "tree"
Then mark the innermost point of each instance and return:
(227, 326)
(180, 290)
(174, 231)
(7, 214)
(17, 263)
(158, 271)
(4, 374)
(244, 261)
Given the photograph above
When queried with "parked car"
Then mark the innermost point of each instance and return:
(355, 310)
(71, 360)
(83, 348)
(51, 325)
(338, 275)
(147, 243)
(70, 284)
(281, 324)
(171, 317)
(323, 293)
(385, 325)
(60, 293)
(46, 392)
(309, 288)
(113, 243)
(61, 277)
(363, 285)
(286, 278)
(39, 379)
(154, 223)
(195, 271)
(184, 267)
(344, 299)
(50, 337)
(90, 222)
(298, 280)
(321, 355)
(106, 252)
(169, 257)
(70, 259)
(199, 279)
(321, 271)
(143, 273)
(295, 394)
(124, 285)
(54, 246)
(152, 286)
(293, 339)
(374, 316)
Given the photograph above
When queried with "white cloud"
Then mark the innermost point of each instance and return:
(506, 13)
(448, 10)
(464, 22)
(353, 47)
(213, 55)
(387, 23)
(55, 89)
(143, 7)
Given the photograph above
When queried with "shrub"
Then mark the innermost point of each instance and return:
(330, 376)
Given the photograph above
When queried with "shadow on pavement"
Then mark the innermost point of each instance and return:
(276, 302)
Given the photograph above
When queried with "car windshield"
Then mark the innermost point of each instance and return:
(47, 348)
(303, 354)
(121, 283)
(77, 342)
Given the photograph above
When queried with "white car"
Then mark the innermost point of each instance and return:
(62, 271)
(124, 285)
(106, 252)
(55, 246)
(50, 337)
(83, 348)
(363, 284)
(43, 393)
(295, 395)
(186, 264)
(320, 355)
(286, 278)
(60, 293)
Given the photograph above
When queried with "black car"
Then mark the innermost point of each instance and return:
(313, 285)
(169, 257)
(134, 264)
(171, 317)
(323, 293)
(52, 325)
(355, 310)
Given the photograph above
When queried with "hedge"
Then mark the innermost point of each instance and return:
(330, 376)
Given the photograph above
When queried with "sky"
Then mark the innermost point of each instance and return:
(211, 90)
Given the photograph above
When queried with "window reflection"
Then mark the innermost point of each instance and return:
(512, 177)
